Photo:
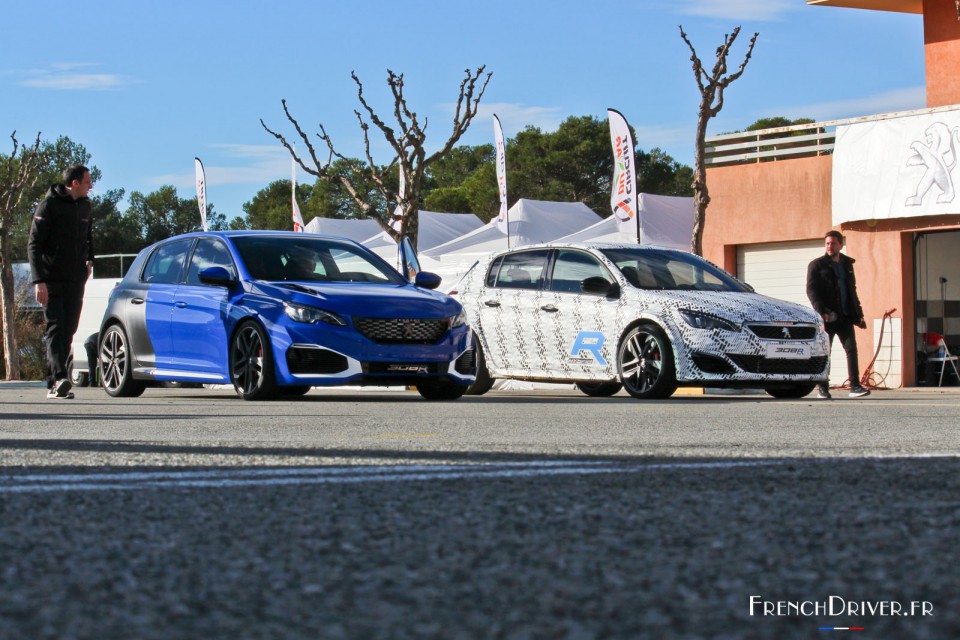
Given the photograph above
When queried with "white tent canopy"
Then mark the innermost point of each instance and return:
(531, 221)
(434, 229)
(358, 229)
(665, 221)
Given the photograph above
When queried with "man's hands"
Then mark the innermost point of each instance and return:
(40, 293)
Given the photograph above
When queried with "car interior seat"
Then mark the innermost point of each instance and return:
(518, 277)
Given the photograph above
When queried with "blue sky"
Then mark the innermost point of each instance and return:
(148, 86)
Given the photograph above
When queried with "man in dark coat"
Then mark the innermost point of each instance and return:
(60, 250)
(832, 289)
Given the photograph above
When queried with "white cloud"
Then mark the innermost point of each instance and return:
(756, 10)
(260, 165)
(905, 99)
(517, 117)
(72, 77)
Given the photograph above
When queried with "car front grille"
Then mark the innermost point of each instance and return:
(759, 364)
(312, 360)
(783, 332)
(402, 330)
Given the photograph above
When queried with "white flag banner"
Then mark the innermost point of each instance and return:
(297, 218)
(623, 192)
(897, 168)
(503, 222)
(396, 220)
(201, 192)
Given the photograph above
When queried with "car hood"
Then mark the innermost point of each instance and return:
(736, 306)
(369, 300)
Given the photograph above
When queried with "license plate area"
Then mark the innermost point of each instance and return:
(788, 351)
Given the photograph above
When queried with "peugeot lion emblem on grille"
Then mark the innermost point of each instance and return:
(786, 333)
(407, 329)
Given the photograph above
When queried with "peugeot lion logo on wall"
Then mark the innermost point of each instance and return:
(939, 156)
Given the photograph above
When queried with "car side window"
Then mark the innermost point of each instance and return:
(571, 267)
(209, 252)
(522, 270)
(166, 262)
(494, 270)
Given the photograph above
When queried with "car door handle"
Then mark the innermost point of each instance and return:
(136, 301)
(179, 304)
(491, 303)
(549, 308)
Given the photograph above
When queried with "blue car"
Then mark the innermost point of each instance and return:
(278, 313)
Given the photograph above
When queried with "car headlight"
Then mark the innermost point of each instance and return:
(700, 320)
(458, 320)
(312, 315)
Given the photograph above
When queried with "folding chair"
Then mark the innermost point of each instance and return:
(944, 360)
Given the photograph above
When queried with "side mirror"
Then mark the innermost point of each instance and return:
(427, 280)
(599, 286)
(217, 276)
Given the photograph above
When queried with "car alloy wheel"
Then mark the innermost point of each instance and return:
(115, 365)
(645, 361)
(251, 363)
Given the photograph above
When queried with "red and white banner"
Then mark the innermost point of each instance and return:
(503, 222)
(396, 220)
(623, 192)
(201, 192)
(297, 218)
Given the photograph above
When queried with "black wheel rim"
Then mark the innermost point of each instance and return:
(113, 360)
(247, 360)
(641, 362)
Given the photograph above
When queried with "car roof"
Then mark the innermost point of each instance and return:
(588, 245)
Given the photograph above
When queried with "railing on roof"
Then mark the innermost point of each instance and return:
(794, 141)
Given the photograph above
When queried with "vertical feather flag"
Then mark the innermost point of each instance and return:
(297, 218)
(503, 222)
(623, 192)
(396, 220)
(201, 192)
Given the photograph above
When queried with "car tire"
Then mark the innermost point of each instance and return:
(441, 390)
(116, 365)
(251, 363)
(295, 391)
(600, 389)
(645, 363)
(796, 391)
(77, 378)
(484, 382)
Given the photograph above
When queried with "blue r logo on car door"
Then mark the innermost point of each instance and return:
(592, 343)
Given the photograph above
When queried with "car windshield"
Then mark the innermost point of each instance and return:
(665, 269)
(312, 259)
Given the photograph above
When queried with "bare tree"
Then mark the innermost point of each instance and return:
(18, 175)
(711, 88)
(407, 142)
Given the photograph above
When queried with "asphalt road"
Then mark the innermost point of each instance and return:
(367, 514)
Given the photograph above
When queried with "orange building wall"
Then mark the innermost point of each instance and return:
(766, 202)
(941, 37)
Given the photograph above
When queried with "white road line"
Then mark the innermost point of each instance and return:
(227, 478)
(336, 475)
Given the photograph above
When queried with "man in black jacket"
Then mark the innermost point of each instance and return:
(832, 289)
(60, 250)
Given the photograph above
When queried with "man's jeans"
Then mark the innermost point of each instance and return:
(62, 314)
(844, 329)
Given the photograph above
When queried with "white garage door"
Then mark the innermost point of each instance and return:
(779, 270)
